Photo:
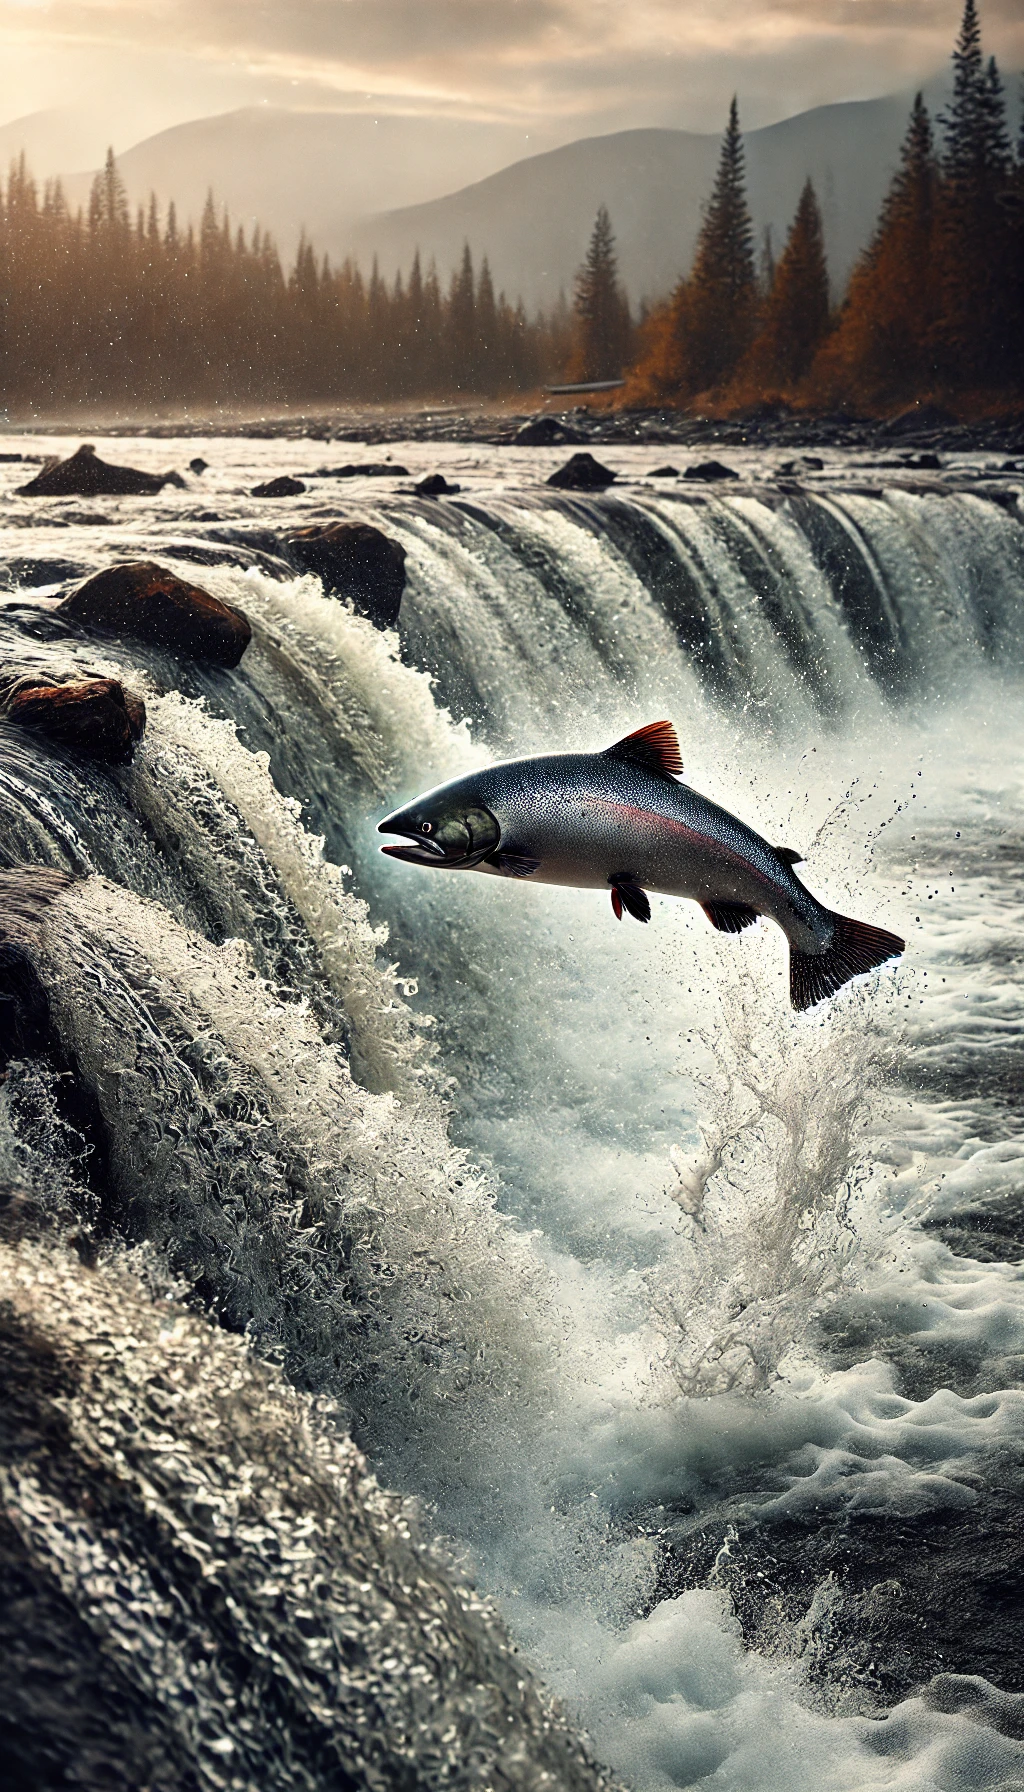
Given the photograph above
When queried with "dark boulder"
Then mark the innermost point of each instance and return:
(199, 465)
(663, 473)
(804, 463)
(923, 463)
(282, 487)
(710, 470)
(85, 475)
(25, 894)
(356, 561)
(582, 473)
(146, 603)
(96, 716)
(546, 432)
(364, 469)
(435, 485)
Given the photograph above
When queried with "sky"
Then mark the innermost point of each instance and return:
(553, 69)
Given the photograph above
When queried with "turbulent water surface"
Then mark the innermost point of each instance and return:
(696, 1327)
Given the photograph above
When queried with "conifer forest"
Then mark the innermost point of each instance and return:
(150, 311)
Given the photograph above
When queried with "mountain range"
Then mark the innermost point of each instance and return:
(533, 220)
(389, 185)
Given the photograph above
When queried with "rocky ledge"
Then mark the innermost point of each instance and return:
(94, 716)
(144, 602)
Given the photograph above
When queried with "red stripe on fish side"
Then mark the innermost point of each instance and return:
(648, 818)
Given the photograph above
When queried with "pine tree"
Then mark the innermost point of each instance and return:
(880, 352)
(696, 342)
(972, 331)
(108, 202)
(462, 340)
(601, 310)
(796, 313)
(489, 358)
(717, 313)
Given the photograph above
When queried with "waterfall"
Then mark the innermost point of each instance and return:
(626, 1277)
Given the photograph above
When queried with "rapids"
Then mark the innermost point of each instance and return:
(694, 1327)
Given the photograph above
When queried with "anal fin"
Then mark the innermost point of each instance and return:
(730, 917)
(629, 895)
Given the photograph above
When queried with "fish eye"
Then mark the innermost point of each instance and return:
(426, 827)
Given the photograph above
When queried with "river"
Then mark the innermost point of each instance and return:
(693, 1326)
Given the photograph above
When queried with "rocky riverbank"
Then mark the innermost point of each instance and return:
(921, 427)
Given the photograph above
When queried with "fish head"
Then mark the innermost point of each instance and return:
(448, 828)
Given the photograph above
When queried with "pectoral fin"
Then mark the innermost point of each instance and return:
(629, 895)
(513, 864)
(729, 917)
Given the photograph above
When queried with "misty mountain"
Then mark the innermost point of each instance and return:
(533, 220)
(53, 141)
(317, 171)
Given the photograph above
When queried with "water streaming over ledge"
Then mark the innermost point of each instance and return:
(604, 1253)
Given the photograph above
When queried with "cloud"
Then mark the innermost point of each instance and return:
(549, 65)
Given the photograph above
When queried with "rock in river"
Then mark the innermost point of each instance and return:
(435, 485)
(96, 716)
(284, 486)
(147, 603)
(582, 473)
(85, 475)
(356, 561)
(709, 471)
(545, 432)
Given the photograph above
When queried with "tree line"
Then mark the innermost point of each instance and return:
(935, 304)
(104, 308)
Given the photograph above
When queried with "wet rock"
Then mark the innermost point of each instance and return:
(356, 561)
(435, 485)
(95, 716)
(85, 475)
(36, 569)
(876, 1603)
(6, 457)
(546, 432)
(25, 895)
(284, 486)
(923, 463)
(663, 473)
(709, 471)
(364, 469)
(582, 473)
(146, 603)
(198, 465)
(804, 463)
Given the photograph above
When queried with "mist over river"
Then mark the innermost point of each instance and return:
(693, 1327)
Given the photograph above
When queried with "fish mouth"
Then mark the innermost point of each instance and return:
(415, 847)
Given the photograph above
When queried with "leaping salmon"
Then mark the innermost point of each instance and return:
(620, 821)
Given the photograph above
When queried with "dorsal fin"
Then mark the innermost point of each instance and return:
(654, 747)
(788, 856)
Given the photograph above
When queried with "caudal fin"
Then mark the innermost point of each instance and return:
(855, 948)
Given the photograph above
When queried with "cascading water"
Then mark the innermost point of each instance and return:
(691, 1320)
